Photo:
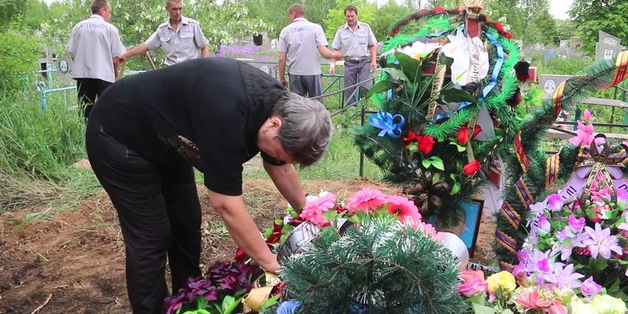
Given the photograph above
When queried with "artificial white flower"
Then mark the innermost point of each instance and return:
(458, 49)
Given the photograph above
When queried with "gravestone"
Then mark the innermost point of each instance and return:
(607, 47)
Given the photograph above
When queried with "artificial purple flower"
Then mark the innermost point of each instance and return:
(601, 242)
(569, 241)
(564, 277)
(175, 302)
(537, 208)
(590, 287)
(232, 277)
(533, 261)
(576, 224)
(201, 287)
(554, 202)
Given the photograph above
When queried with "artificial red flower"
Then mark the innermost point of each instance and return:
(411, 138)
(240, 256)
(425, 144)
(463, 134)
(471, 168)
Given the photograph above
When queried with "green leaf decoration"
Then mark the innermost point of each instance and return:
(396, 73)
(456, 188)
(457, 96)
(461, 148)
(411, 67)
(381, 86)
(435, 162)
(481, 309)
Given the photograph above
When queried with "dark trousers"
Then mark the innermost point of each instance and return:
(88, 91)
(306, 85)
(356, 71)
(160, 217)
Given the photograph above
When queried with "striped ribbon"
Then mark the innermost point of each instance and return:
(621, 68)
(521, 153)
(506, 241)
(558, 98)
(510, 214)
(551, 169)
(523, 192)
(506, 266)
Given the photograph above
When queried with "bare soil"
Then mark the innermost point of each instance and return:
(74, 261)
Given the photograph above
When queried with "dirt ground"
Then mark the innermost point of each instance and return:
(74, 262)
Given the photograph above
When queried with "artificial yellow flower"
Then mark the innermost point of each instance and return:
(504, 280)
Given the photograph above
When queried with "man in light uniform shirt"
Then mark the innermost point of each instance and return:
(94, 46)
(299, 45)
(180, 38)
(357, 43)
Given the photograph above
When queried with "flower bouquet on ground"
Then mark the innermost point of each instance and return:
(501, 293)
(224, 290)
(370, 254)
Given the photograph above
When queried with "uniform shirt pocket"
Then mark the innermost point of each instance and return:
(187, 38)
(363, 37)
(165, 36)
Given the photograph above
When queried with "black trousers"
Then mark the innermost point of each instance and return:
(160, 217)
(88, 91)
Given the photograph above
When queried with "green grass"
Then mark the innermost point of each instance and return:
(37, 152)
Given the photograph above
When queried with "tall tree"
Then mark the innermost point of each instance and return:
(11, 10)
(591, 16)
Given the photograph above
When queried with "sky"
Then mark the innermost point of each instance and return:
(558, 8)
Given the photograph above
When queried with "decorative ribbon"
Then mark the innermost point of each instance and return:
(593, 163)
(510, 214)
(506, 266)
(506, 241)
(437, 85)
(498, 66)
(258, 295)
(558, 98)
(599, 162)
(551, 169)
(523, 192)
(386, 122)
(621, 68)
(521, 153)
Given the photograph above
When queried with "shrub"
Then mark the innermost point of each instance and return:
(18, 56)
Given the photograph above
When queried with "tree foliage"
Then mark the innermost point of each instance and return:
(11, 9)
(528, 20)
(610, 16)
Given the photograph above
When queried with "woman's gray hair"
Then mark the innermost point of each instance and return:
(306, 127)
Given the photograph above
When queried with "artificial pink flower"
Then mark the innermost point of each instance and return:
(427, 229)
(473, 283)
(554, 202)
(544, 225)
(366, 200)
(576, 224)
(316, 206)
(557, 308)
(403, 208)
(587, 116)
(530, 299)
(584, 135)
